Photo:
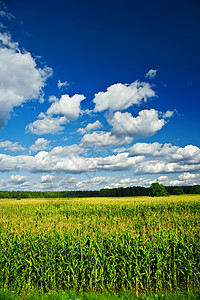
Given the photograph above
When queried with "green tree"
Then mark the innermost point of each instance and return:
(158, 190)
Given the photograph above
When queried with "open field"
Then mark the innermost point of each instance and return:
(137, 244)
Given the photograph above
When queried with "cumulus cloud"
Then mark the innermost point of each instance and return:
(189, 153)
(91, 126)
(145, 124)
(124, 129)
(103, 139)
(20, 78)
(18, 179)
(127, 182)
(10, 146)
(67, 106)
(47, 178)
(157, 166)
(67, 151)
(15, 182)
(153, 149)
(40, 144)
(63, 84)
(163, 178)
(151, 74)
(188, 176)
(121, 96)
(95, 183)
(145, 149)
(146, 181)
(46, 125)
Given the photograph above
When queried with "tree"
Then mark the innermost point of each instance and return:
(158, 190)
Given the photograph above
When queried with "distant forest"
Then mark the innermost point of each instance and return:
(115, 192)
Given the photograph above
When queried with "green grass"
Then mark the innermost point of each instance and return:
(136, 246)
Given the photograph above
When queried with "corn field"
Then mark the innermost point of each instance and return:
(105, 244)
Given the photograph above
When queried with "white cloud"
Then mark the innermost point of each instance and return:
(67, 106)
(163, 178)
(40, 144)
(120, 149)
(189, 153)
(91, 126)
(153, 149)
(103, 139)
(17, 179)
(47, 178)
(188, 176)
(163, 166)
(95, 183)
(151, 74)
(15, 182)
(167, 150)
(20, 78)
(63, 84)
(46, 125)
(146, 181)
(124, 129)
(128, 182)
(69, 182)
(5, 144)
(10, 146)
(5, 38)
(121, 96)
(156, 167)
(145, 149)
(51, 182)
(145, 124)
(67, 151)
(53, 99)
(168, 114)
(166, 158)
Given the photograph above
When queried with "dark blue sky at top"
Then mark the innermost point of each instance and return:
(93, 44)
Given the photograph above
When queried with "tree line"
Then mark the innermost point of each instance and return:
(155, 189)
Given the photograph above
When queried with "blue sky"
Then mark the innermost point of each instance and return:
(98, 94)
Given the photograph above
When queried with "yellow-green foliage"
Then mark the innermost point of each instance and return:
(100, 244)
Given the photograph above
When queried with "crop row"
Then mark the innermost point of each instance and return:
(113, 263)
